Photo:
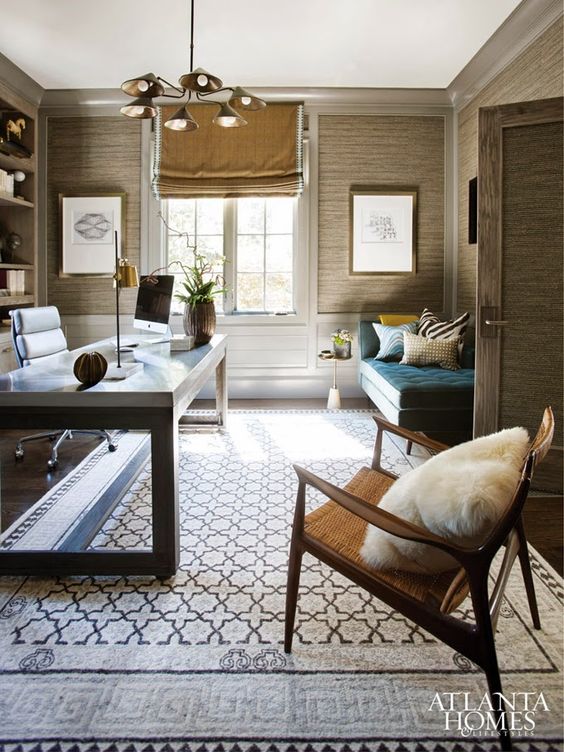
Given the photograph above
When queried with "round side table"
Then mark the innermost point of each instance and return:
(334, 398)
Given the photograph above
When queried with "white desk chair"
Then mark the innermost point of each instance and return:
(37, 336)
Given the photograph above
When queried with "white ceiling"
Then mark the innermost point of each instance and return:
(68, 44)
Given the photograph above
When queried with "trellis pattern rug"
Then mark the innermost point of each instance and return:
(195, 662)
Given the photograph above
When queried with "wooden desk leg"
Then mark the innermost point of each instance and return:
(221, 391)
(164, 472)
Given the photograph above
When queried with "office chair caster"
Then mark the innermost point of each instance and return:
(112, 448)
(19, 453)
(52, 464)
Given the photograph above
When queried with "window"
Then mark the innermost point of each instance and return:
(255, 236)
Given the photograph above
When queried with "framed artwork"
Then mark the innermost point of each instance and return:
(473, 211)
(383, 223)
(88, 223)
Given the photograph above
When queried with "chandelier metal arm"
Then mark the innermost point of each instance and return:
(203, 98)
(180, 90)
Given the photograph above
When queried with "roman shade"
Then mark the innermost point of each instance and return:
(263, 158)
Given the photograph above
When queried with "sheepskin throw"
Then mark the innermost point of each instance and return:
(459, 494)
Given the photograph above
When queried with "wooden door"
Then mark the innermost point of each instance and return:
(519, 364)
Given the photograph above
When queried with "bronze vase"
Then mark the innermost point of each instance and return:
(199, 322)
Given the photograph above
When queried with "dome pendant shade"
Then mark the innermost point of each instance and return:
(182, 120)
(243, 98)
(141, 108)
(227, 117)
(143, 86)
(200, 80)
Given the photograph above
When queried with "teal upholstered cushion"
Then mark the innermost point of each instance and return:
(425, 387)
(391, 340)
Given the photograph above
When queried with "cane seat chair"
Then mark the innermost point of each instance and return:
(334, 533)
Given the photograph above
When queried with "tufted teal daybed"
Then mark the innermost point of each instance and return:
(430, 399)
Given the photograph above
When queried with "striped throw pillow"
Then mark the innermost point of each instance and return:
(391, 339)
(422, 351)
(432, 327)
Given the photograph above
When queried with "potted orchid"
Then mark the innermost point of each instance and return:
(342, 339)
(201, 284)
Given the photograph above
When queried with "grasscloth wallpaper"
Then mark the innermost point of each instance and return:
(536, 74)
(380, 150)
(91, 155)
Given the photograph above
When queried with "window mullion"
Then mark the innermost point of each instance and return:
(230, 253)
(264, 257)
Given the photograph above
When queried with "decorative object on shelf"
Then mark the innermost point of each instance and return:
(13, 243)
(19, 177)
(198, 85)
(90, 368)
(88, 223)
(342, 339)
(382, 230)
(10, 147)
(125, 276)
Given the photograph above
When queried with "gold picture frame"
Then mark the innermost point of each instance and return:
(383, 230)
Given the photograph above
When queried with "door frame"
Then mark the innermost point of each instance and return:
(491, 123)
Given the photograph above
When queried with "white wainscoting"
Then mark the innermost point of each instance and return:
(264, 362)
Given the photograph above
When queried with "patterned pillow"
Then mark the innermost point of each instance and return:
(432, 327)
(421, 351)
(391, 339)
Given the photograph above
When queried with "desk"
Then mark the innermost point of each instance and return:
(153, 399)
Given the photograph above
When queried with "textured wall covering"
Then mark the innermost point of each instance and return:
(91, 155)
(531, 355)
(535, 74)
(380, 150)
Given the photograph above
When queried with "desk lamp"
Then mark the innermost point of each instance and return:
(125, 276)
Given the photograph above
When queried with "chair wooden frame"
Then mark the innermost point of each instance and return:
(473, 640)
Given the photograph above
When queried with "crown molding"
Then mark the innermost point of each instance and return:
(321, 96)
(527, 22)
(19, 82)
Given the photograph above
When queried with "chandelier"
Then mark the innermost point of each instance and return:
(199, 85)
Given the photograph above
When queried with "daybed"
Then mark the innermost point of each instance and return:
(429, 399)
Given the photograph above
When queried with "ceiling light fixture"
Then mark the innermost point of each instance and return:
(199, 84)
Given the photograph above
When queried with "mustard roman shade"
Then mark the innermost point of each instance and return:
(263, 158)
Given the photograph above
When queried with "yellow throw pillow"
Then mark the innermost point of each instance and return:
(421, 351)
(397, 319)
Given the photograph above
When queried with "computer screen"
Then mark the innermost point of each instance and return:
(153, 303)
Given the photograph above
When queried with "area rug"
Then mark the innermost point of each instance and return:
(195, 662)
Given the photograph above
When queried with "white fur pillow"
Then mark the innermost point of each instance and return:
(459, 494)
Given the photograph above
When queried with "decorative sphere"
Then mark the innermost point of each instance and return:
(90, 368)
(13, 242)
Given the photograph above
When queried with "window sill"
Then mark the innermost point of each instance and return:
(236, 319)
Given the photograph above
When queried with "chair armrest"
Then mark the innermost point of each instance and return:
(381, 519)
(405, 433)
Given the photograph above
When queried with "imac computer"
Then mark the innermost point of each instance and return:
(153, 303)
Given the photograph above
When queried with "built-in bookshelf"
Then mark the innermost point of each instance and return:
(18, 213)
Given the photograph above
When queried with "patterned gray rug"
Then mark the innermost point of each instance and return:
(195, 662)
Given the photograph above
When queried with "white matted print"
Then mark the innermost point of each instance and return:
(382, 230)
(88, 224)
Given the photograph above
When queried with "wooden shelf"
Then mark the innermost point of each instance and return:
(10, 300)
(25, 267)
(26, 164)
(6, 200)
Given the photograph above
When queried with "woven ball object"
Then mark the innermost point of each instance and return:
(90, 368)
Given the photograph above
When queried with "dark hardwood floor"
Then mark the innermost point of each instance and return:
(23, 483)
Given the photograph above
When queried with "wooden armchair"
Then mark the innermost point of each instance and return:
(334, 533)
